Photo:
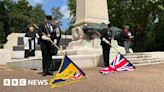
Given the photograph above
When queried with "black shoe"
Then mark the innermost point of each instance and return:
(49, 73)
(44, 74)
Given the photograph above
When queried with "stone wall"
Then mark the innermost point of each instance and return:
(12, 40)
(5, 56)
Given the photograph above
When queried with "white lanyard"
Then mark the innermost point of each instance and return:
(57, 32)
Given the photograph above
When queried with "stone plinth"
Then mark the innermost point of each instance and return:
(81, 48)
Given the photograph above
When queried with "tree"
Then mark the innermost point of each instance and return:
(37, 14)
(56, 14)
(3, 23)
(140, 15)
(2, 35)
(17, 16)
(72, 8)
(68, 30)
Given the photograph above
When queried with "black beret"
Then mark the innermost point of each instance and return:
(48, 17)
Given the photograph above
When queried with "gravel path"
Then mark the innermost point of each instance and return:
(147, 78)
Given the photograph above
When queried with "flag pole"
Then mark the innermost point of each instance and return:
(108, 43)
(54, 44)
(36, 26)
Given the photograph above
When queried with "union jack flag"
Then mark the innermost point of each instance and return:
(120, 63)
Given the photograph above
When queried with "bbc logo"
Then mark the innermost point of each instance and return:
(14, 82)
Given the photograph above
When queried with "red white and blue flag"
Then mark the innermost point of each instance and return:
(120, 63)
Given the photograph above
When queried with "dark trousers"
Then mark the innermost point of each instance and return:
(29, 53)
(106, 53)
(46, 56)
(126, 45)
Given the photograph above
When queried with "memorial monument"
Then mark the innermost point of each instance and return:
(85, 49)
(90, 13)
(87, 12)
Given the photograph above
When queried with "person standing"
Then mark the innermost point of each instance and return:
(106, 36)
(126, 38)
(56, 36)
(55, 64)
(46, 45)
(57, 32)
(29, 42)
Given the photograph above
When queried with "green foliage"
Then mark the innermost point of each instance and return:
(2, 34)
(56, 14)
(17, 16)
(72, 8)
(140, 16)
(37, 14)
(68, 31)
(3, 23)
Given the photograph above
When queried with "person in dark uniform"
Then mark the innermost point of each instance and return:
(56, 35)
(106, 36)
(29, 42)
(57, 32)
(46, 46)
(55, 64)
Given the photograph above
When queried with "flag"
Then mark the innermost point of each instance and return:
(120, 63)
(68, 72)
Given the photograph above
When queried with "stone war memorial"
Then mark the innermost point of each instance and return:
(83, 46)
(86, 42)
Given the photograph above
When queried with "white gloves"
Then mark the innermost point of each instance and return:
(106, 41)
(45, 38)
(55, 41)
(48, 39)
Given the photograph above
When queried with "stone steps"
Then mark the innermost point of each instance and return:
(144, 61)
(137, 56)
(21, 48)
(141, 58)
(20, 54)
(83, 61)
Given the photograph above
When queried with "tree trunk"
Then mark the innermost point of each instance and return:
(139, 39)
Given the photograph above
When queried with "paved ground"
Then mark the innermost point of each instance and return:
(148, 78)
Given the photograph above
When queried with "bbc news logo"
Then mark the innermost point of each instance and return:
(24, 82)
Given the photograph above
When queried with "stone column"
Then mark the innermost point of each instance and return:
(91, 11)
(88, 11)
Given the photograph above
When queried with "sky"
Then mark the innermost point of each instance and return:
(47, 6)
